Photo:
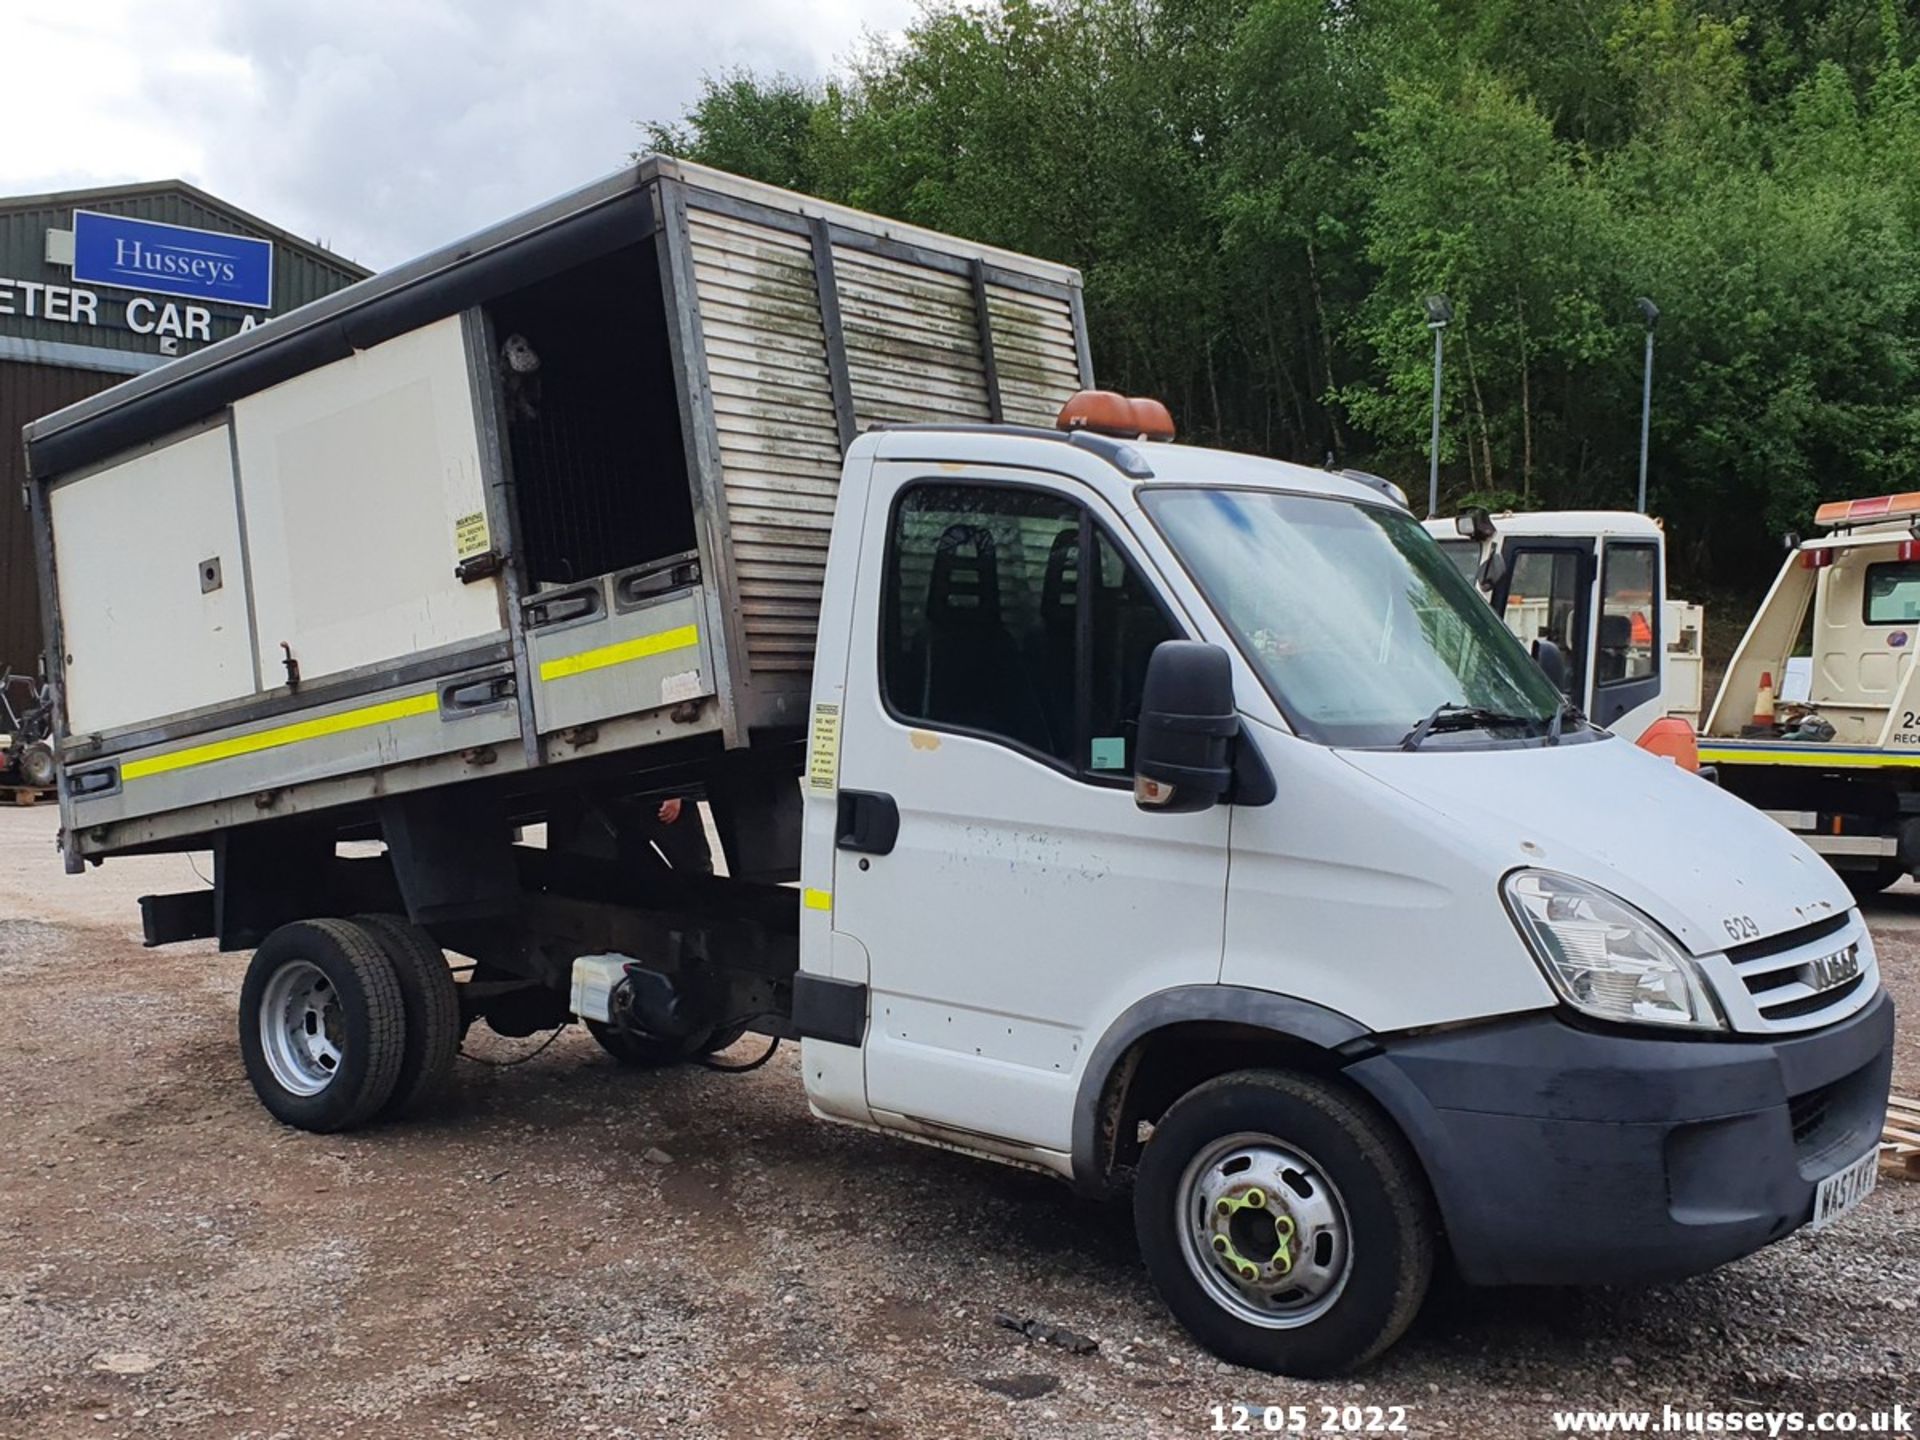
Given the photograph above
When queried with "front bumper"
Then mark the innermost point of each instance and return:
(1566, 1156)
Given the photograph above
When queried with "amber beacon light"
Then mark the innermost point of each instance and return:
(1105, 412)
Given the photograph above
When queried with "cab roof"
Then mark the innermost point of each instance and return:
(1117, 468)
(1564, 522)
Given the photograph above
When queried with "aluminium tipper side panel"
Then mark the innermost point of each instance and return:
(778, 427)
(467, 720)
(814, 322)
(914, 351)
(1037, 354)
(620, 649)
(363, 491)
(152, 585)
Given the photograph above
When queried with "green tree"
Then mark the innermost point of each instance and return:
(1260, 192)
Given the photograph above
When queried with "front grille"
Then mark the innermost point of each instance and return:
(1811, 1004)
(1789, 939)
(1805, 977)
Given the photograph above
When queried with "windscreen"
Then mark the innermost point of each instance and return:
(1358, 624)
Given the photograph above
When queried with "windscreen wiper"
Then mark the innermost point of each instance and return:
(1565, 710)
(1458, 715)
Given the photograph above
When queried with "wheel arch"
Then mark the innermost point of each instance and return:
(1164, 1044)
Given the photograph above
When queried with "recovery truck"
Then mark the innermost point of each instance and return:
(1160, 818)
(1592, 583)
(1836, 765)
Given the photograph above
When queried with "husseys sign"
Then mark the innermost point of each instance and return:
(146, 255)
(194, 286)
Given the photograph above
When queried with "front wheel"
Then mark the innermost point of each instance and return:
(1285, 1223)
(1865, 884)
(644, 1052)
(322, 1025)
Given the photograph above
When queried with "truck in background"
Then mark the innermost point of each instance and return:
(1837, 764)
(1168, 820)
(1592, 583)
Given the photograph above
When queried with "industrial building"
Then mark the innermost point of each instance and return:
(98, 285)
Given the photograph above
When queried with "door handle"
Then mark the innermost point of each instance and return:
(868, 822)
(558, 609)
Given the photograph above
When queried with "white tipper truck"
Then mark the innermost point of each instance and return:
(1164, 819)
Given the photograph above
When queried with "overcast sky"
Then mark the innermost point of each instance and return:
(381, 127)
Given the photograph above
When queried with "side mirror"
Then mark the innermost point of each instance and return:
(1547, 656)
(1183, 759)
(1474, 524)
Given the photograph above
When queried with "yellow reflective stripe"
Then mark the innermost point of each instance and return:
(1809, 756)
(682, 638)
(380, 714)
(817, 899)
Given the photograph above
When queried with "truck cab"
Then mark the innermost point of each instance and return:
(1593, 584)
(1816, 720)
(1163, 829)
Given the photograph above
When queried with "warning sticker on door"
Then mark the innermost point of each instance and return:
(823, 755)
(470, 535)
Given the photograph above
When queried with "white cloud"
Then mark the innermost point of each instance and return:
(383, 127)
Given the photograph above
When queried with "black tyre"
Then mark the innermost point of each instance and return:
(37, 767)
(644, 1052)
(1867, 883)
(1285, 1223)
(322, 1025)
(431, 1001)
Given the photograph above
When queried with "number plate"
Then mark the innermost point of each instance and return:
(1841, 1191)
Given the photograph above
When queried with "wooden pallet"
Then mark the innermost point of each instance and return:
(1900, 1141)
(25, 794)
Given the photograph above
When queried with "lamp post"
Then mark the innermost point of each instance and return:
(1439, 312)
(1651, 312)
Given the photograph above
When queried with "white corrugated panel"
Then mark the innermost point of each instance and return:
(913, 341)
(779, 441)
(1034, 352)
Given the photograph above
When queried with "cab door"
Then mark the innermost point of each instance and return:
(1628, 653)
(1010, 897)
(1546, 595)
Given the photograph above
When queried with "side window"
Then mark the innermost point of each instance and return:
(982, 627)
(1127, 624)
(1893, 593)
(1543, 602)
(1629, 615)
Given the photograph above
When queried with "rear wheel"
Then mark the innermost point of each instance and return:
(431, 1002)
(1285, 1224)
(322, 1025)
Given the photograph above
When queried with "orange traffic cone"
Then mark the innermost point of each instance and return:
(1763, 702)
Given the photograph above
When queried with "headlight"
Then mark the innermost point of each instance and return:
(1604, 957)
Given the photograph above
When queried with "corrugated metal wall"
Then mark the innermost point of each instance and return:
(298, 275)
(26, 393)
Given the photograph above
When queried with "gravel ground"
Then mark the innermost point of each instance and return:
(567, 1249)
